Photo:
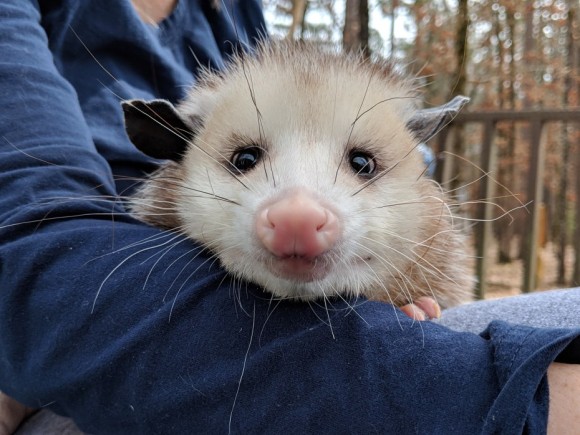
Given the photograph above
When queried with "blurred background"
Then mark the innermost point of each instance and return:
(512, 159)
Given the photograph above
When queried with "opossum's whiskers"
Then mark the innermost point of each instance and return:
(379, 281)
(433, 270)
(179, 183)
(393, 166)
(152, 115)
(29, 155)
(325, 299)
(213, 191)
(191, 141)
(172, 234)
(232, 21)
(199, 250)
(55, 218)
(121, 264)
(149, 113)
(384, 172)
(251, 89)
(351, 308)
(431, 199)
(268, 315)
(234, 288)
(346, 150)
(177, 234)
(91, 54)
(88, 198)
(164, 252)
(487, 174)
(234, 174)
(375, 178)
(185, 281)
(183, 136)
(426, 243)
(259, 118)
(213, 257)
(156, 118)
(411, 202)
(449, 205)
(201, 68)
(314, 311)
(241, 142)
(243, 369)
(428, 284)
(386, 100)
(501, 216)
(244, 284)
(153, 238)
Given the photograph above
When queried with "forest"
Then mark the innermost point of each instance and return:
(511, 56)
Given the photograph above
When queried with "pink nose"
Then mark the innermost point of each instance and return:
(297, 225)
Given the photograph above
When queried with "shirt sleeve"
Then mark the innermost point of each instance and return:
(128, 329)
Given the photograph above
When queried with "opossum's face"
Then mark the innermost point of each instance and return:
(304, 178)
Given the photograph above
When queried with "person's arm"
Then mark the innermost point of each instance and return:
(74, 299)
(86, 328)
(564, 385)
(11, 414)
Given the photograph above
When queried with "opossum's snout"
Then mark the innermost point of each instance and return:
(297, 229)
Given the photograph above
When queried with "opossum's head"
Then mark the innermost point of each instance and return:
(298, 169)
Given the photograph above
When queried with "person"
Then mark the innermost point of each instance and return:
(429, 159)
(94, 327)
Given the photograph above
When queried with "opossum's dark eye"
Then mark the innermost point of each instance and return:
(246, 159)
(362, 163)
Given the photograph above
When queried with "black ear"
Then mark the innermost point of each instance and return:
(156, 128)
(427, 123)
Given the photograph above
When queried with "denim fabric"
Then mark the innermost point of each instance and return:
(128, 329)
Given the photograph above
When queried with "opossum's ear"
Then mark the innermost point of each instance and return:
(156, 128)
(426, 123)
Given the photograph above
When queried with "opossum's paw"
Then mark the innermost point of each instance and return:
(424, 308)
(11, 414)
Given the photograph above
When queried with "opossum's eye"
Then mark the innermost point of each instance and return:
(246, 159)
(362, 163)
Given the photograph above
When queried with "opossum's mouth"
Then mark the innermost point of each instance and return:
(298, 268)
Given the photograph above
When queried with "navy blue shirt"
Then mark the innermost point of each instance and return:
(129, 329)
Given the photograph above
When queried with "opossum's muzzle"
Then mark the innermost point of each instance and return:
(297, 230)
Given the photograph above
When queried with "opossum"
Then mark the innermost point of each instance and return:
(298, 168)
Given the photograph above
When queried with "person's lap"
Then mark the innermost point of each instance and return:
(549, 309)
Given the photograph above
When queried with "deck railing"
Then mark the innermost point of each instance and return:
(537, 120)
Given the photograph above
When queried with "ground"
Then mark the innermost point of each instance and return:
(506, 279)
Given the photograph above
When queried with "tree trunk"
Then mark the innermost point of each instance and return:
(562, 206)
(461, 46)
(576, 36)
(458, 142)
(531, 47)
(507, 175)
(298, 13)
(394, 5)
(355, 35)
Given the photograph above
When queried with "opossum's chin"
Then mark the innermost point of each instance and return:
(299, 269)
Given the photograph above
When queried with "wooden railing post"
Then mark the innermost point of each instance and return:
(449, 162)
(483, 233)
(535, 194)
(483, 230)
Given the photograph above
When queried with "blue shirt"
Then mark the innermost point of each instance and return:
(129, 329)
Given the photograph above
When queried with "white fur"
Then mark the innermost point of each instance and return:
(300, 105)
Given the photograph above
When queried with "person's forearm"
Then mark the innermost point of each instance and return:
(564, 385)
(11, 414)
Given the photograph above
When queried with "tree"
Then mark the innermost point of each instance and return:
(504, 54)
(356, 26)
